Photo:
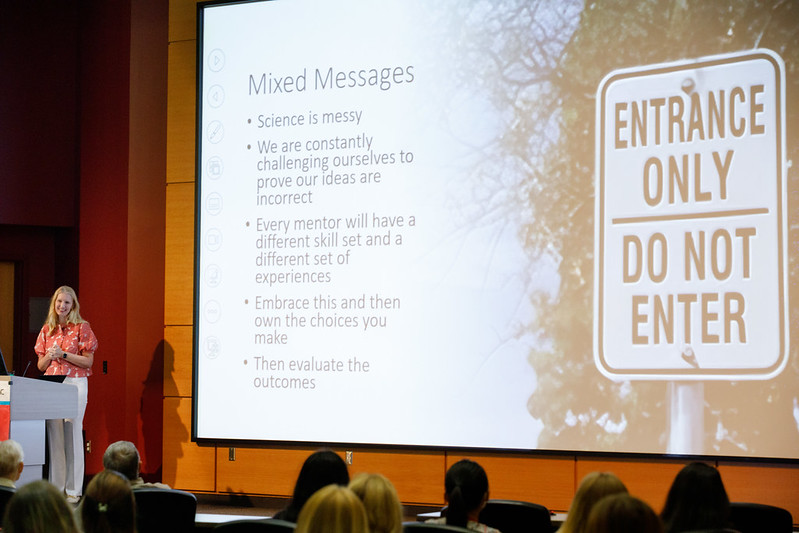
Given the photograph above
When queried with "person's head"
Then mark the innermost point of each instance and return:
(379, 497)
(11, 458)
(38, 507)
(108, 505)
(622, 512)
(123, 457)
(466, 491)
(64, 308)
(321, 468)
(593, 488)
(333, 509)
(696, 500)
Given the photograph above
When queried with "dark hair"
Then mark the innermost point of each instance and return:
(321, 468)
(108, 505)
(38, 506)
(466, 486)
(622, 512)
(696, 500)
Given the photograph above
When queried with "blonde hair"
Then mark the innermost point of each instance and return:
(333, 509)
(74, 314)
(593, 488)
(379, 497)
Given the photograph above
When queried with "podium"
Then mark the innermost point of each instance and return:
(32, 402)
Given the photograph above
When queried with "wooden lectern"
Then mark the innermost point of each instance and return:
(32, 402)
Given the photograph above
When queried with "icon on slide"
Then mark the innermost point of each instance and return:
(213, 275)
(213, 239)
(216, 60)
(214, 167)
(216, 96)
(212, 347)
(213, 203)
(216, 132)
(212, 311)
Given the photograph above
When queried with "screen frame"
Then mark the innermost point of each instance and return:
(224, 442)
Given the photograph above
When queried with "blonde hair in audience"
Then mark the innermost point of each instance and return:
(333, 509)
(379, 497)
(39, 507)
(593, 488)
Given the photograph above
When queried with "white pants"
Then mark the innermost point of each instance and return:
(65, 444)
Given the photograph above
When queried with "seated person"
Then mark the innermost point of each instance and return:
(622, 512)
(593, 488)
(39, 506)
(466, 493)
(333, 509)
(11, 465)
(696, 500)
(321, 468)
(123, 457)
(108, 505)
(379, 497)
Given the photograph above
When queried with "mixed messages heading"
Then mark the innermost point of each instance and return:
(383, 78)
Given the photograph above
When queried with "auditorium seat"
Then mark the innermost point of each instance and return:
(5, 495)
(758, 517)
(514, 516)
(164, 510)
(424, 527)
(264, 525)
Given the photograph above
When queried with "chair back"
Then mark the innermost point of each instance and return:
(5, 495)
(514, 516)
(426, 527)
(164, 510)
(758, 517)
(260, 525)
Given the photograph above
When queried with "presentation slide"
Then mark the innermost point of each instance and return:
(515, 225)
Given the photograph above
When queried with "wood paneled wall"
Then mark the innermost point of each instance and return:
(418, 476)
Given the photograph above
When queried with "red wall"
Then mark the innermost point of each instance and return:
(123, 161)
(82, 168)
(38, 113)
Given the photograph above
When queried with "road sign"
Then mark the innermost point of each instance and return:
(690, 235)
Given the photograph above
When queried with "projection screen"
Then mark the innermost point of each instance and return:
(526, 225)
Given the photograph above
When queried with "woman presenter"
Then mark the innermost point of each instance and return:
(65, 347)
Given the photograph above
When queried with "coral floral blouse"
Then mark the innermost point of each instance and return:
(72, 338)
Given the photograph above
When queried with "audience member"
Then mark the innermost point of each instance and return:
(621, 512)
(466, 493)
(321, 468)
(696, 500)
(593, 488)
(39, 507)
(333, 509)
(123, 457)
(108, 505)
(379, 497)
(11, 465)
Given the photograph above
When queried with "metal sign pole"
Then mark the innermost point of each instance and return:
(686, 401)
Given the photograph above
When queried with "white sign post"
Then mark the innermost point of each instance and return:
(691, 259)
(690, 231)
